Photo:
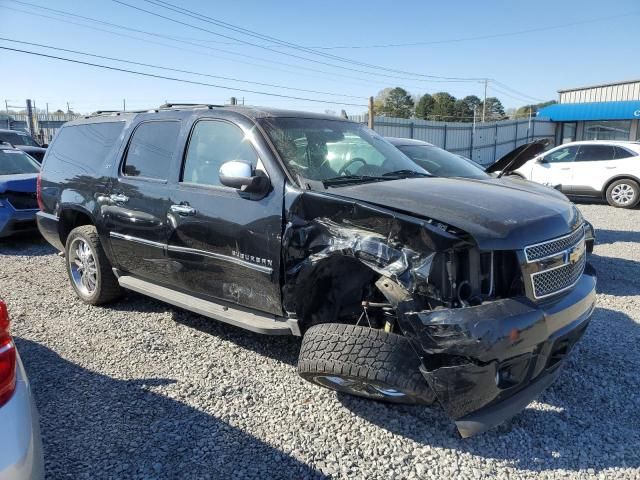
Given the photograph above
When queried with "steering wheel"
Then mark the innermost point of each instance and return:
(351, 162)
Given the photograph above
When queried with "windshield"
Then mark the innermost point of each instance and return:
(13, 162)
(441, 163)
(335, 150)
(18, 138)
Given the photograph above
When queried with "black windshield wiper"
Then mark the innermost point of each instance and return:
(344, 179)
(406, 173)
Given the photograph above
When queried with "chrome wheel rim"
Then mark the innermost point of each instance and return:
(358, 387)
(622, 194)
(82, 263)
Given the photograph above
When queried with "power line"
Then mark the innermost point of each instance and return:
(251, 33)
(479, 37)
(177, 39)
(193, 82)
(176, 69)
(507, 87)
(279, 52)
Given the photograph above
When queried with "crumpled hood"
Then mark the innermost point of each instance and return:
(499, 214)
(24, 182)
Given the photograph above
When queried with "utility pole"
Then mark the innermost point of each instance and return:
(68, 109)
(124, 105)
(371, 113)
(6, 106)
(30, 117)
(484, 103)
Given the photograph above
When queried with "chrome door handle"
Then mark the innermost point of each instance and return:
(183, 210)
(565, 168)
(610, 168)
(119, 198)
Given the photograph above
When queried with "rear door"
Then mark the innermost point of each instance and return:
(555, 168)
(225, 243)
(594, 164)
(136, 210)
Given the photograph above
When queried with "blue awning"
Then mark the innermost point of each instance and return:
(568, 112)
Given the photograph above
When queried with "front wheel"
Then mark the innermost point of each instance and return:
(88, 267)
(365, 362)
(623, 193)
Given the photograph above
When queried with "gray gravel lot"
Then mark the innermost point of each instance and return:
(139, 389)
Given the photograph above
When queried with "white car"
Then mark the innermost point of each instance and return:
(20, 442)
(609, 170)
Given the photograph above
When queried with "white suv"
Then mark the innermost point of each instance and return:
(603, 169)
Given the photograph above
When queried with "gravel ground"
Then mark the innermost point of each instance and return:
(142, 390)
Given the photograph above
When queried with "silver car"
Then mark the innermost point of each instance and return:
(20, 441)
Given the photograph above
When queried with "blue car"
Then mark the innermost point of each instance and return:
(18, 202)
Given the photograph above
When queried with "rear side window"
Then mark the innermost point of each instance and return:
(83, 147)
(623, 153)
(213, 143)
(151, 150)
(594, 153)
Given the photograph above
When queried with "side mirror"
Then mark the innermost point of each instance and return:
(45, 145)
(239, 174)
(541, 160)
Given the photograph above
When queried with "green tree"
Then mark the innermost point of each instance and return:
(398, 103)
(494, 109)
(523, 112)
(424, 106)
(443, 107)
(380, 98)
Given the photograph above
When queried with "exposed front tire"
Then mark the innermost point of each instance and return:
(623, 193)
(363, 361)
(88, 267)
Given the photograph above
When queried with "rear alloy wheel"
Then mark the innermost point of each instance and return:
(88, 267)
(624, 193)
(363, 361)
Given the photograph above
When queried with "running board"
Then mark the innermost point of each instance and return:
(259, 323)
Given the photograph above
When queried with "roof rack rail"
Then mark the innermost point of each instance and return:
(165, 106)
(98, 113)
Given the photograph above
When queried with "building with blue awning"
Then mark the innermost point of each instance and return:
(600, 112)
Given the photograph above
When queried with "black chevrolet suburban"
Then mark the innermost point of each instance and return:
(406, 287)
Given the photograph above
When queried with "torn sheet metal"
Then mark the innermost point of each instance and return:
(321, 227)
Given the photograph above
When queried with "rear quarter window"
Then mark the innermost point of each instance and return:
(83, 148)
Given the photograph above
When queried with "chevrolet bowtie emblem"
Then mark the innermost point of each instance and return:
(576, 253)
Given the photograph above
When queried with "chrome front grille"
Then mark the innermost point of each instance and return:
(555, 265)
(553, 247)
(558, 279)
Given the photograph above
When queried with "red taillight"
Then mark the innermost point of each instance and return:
(7, 358)
(39, 192)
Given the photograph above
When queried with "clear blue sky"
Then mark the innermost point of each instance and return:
(535, 64)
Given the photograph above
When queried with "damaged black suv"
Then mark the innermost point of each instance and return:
(405, 287)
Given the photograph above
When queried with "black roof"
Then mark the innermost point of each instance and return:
(251, 112)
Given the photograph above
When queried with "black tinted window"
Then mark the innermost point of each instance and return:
(151, 150)
(18, 138)
(562, 155)
(212, 144)
(594, 153)
(83, 147)
(15, 162)
(623, 153)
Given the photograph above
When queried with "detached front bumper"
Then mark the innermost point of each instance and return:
(486, 363)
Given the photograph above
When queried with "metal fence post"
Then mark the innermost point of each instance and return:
(411, 130)
(473, 131)
(445, 136)
(515, 136)
(495, 143)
